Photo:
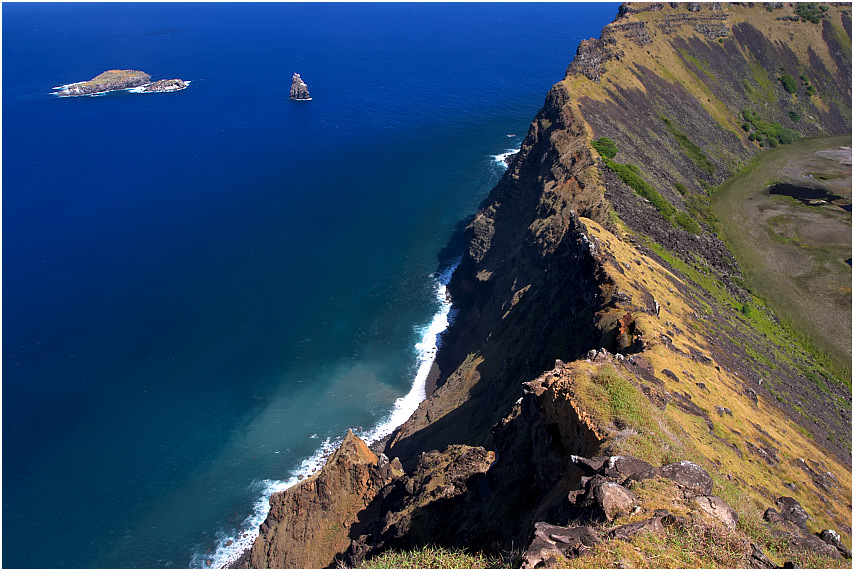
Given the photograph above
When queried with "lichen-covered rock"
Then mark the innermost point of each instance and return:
(718, 509)
(552, 541)
(832, 538)
(626, 532)
(299, 90)
(686, 474)
(614, 499)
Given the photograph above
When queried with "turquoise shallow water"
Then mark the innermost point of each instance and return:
(202, 288)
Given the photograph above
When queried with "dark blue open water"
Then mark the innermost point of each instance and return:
(201, 288)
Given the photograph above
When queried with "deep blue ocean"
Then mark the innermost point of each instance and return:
(203, 290)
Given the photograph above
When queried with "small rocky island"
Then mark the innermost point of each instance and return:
(299, 90)
(118, 79)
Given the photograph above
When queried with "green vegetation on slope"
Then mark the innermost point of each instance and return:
(789, 83)
(811, 12)
(605, 147)
(630, 174)
(765, 132)
(691, 150)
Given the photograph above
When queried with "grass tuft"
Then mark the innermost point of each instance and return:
(427, 557)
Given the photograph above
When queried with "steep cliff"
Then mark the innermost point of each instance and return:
(602, 348)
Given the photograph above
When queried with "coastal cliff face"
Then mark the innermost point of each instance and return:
(602, 382)
(311, 522)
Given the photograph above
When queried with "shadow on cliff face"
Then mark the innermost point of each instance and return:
(455, 246)
(468, 498)
(497, 343)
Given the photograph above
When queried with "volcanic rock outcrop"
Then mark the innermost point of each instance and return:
(299, 90)
(310, 523)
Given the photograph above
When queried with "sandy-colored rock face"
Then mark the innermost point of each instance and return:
(308, 524)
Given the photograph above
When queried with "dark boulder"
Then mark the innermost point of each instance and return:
(686, 474)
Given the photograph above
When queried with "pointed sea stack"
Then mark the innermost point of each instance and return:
(299, 90)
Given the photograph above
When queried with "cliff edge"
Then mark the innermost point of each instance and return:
(611, 390)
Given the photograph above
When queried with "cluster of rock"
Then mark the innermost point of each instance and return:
(118, 79)
(299, 90)
(606, 494)
(361, 504)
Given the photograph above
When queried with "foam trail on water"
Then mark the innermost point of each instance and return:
(230, 547)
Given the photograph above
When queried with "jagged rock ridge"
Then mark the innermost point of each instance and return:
(604, 377)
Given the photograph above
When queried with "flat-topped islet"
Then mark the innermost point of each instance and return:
(299, 90)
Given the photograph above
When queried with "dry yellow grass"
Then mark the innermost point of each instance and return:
(714, 449)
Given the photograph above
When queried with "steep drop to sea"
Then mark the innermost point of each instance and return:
(601, 318)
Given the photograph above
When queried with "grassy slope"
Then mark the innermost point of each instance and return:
(695, 71)
(686, 308)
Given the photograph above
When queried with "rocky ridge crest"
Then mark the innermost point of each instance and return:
(596, 391)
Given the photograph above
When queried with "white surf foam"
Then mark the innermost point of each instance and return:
(426, 349)
(230, 547)
(501, 158)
